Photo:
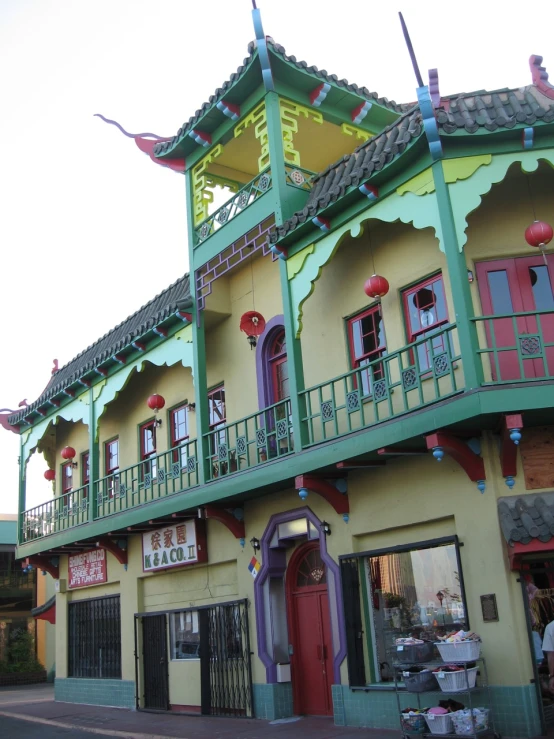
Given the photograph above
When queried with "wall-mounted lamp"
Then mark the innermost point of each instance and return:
(158, 422)
(255, 543)
(469, 276)
(191, 406)
(326, 528)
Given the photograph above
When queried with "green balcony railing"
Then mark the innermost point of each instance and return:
(516, 347)
(157, 477)
(298, 177)
(58, 514)
(251, 441)
(421, 373)
(235, 205)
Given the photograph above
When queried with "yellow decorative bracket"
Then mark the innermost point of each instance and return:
(202, 196)
(358, 133)
(289, 126)
(258, 119)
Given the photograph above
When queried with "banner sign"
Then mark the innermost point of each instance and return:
(87, 568)
(183, 543)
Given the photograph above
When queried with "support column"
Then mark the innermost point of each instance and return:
(461, 296)
(94, 456)
(201, 394)
(276, 155)
(22, 490)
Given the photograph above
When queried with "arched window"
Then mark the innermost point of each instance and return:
(279, 374)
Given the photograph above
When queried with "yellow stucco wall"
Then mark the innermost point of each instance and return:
(68, 433)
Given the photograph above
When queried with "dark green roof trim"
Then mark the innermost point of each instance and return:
(161, 311)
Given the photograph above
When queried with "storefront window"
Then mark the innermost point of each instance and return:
(185, 635)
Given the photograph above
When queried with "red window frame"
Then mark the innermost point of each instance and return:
(359, 359)
(278, 358)
(148, 446)
(178, 439)
(85, 469)
(67, 477)
(108, 456)
(439, 344)
(216, 421)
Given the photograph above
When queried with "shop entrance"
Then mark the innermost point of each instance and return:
(509, 286)
(155, 667)
(310, 631)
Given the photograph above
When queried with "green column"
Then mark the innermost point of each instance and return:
(94, 456)
(461, 296)
(201, 394)
(276, 154)
(22, 489)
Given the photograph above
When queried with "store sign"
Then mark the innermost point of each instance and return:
(87, 568)
(174, 546)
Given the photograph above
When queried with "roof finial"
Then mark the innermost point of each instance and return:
(254, 4)
(263, 53)
(411, 51)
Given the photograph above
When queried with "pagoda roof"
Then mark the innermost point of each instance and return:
(176, 297)
(465, 113)
(249, 76)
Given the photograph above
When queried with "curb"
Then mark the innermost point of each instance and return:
(86, 729)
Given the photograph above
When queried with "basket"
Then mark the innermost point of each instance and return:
(463, 723)
(419, 682)
(455, 682)
(413, 723)
(440, 724)
(462, 651)
(413, 653)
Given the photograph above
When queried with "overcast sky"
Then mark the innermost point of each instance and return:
(90, 228)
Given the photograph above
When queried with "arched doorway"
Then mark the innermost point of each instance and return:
(309, 631)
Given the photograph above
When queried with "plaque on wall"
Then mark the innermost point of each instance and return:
(488, 607)
(179, 544)
(87, 568)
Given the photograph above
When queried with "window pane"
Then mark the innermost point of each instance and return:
(415, 593)
(216, 406)
(148, 445)
(180, 424)
(185, 635)
(542, 289)
(500, 292)
(112, 455)
(426, 306)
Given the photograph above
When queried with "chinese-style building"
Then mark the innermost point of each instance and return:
(336, 431)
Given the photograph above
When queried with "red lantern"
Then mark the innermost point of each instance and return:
(376, 286)
(539, 234)
(50, 475)
(156, 402)
(68, 452)
(253, 325)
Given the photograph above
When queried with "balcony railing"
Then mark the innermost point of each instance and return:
(68, 510)
(413, 377)
(516, 347)
(157, 477)
(16, 579)
(298, 177)
(251, 441)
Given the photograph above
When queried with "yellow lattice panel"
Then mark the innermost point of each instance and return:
(358, 133)
(202, 195)
(290, 113)
(258, 119)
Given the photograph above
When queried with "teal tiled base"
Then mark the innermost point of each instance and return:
(273, 701)
(514, 709)
(118, 693)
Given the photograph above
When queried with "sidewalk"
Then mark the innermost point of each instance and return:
(36, 704)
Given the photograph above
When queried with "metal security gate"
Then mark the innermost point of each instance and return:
(154, 661)
(225, 669)
(94, 638)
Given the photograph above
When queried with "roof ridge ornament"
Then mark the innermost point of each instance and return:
(539, 75)
(261, 44)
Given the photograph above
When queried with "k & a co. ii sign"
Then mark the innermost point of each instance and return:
(183, 543)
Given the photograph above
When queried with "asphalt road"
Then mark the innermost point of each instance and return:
(12, 728)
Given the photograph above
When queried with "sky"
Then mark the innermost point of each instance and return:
(90, 228)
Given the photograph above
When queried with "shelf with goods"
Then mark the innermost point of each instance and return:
(468, 721)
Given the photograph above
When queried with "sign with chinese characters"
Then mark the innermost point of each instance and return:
(87, 568)
(183, 543)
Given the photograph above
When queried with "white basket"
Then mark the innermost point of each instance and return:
(462, 651)
(439, 724)
(463, 724)
(455, 682)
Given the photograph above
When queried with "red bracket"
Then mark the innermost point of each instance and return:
(508, 448)
(44, 563)
(338, 500)
(235, 526)
(111, 546)
(471, 463)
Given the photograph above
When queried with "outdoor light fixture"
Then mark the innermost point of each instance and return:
(191, 406)
(255, 544)
(158, 422)
(469, 276)
(326, 528)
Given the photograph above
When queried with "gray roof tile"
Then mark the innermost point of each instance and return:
(523, 519)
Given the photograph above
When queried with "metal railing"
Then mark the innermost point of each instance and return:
(419, 374)
(303, 179)
(251, 441)
(17, 579)
(61, 513)
(516, 346)
(235, 205)
(157, 477)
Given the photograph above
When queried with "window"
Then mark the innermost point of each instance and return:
(148, 448)
(94, 638)
(217, 416)
(426, 312)
(67, 477)
(366, 339)
(179, 424)
(111, 455)
(279, 369)
(85, 469)
(185, 635)
(411, 591)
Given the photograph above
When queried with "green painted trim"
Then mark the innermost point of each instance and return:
(367, 620)
(201, 396)
(276, 155)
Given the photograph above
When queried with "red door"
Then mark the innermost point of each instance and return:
(509, 286)
(310, 632)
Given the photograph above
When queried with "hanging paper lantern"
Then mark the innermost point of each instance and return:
(156, 402)
(68, 452)
(50, 475)
(539, 234)
(376, 286)
(253, 325)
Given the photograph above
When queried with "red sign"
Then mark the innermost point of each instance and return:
(87, 568)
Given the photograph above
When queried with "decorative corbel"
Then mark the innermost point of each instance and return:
(323, 223)
(539, 75)
(331, 492)
(48, 564)
(360, 112)
(318, 95)
(117, 548)
(233, 521)
(472, 464)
